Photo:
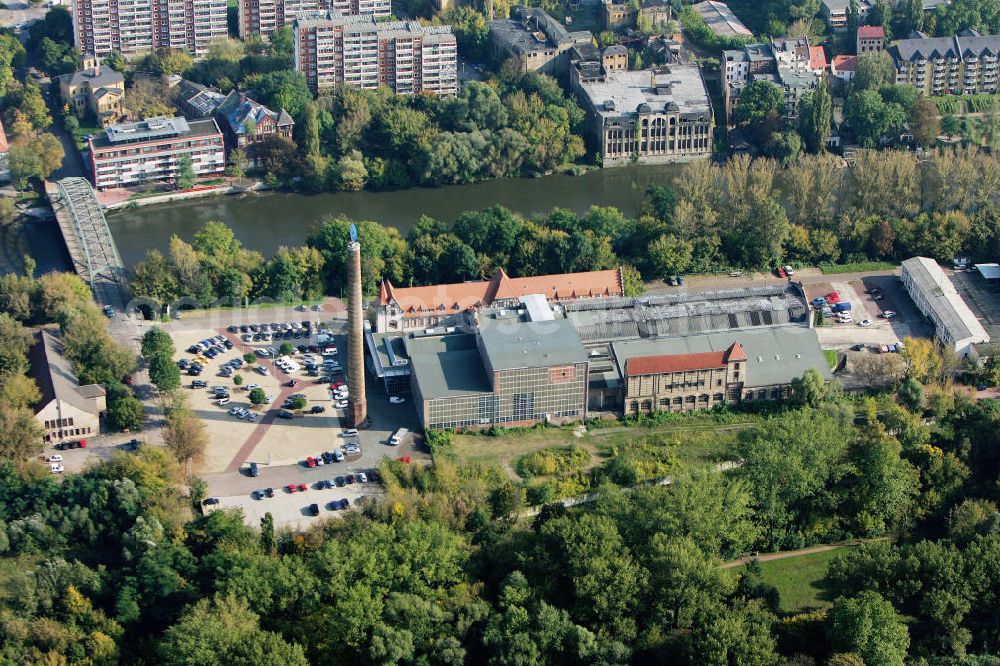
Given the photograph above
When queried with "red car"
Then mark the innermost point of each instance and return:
(405, 459)
(780, 272)
(291, 487)
(127, 379)
(303, 487)
(310, 462)
(338, 384)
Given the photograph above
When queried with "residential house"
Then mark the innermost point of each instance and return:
(66, 409)
(96, 91)
(842, 67)
(245, 123)
(196, 100)
(871, 39)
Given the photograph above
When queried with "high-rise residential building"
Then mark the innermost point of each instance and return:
(265, 16)
(332, 48)
(131, 27)
(962, 65)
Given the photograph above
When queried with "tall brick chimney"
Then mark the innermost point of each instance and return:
(355, 335)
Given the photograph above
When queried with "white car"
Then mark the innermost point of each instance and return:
(222, 402)
(350, 432)
(54, 458)
(865, 323)
(250, 387)
(396, 400)
(235, 409)
(56, 468)
(340, 404)
(888, 314)
(261, 370)
(361, 477)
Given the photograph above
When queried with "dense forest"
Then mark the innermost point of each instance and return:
(744, 214)
(112, 565)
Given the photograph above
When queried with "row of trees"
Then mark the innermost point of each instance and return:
(216, 267)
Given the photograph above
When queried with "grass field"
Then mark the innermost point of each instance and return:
(700, 443)
(831, 357)
(798, 579)
(857, 267)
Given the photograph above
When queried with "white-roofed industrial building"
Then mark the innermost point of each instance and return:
(936, 297)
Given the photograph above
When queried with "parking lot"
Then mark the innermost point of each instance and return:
(280, 446)
(982, 297)
(907, 321)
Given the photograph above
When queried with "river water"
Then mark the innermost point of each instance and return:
(265, 221)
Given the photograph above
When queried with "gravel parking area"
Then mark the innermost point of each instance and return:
(982, 297)
(292, 510)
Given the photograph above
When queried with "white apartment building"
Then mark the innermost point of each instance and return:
(331, 48)
(150, 150)
(131, 27)
(265, 16)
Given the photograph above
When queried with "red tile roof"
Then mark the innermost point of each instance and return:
(465, 295)
(655, 365)
(871, 32)
(844, 63)
(817, 58)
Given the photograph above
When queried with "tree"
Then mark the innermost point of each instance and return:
(871, 118)
(185, 177)
(184, 434)
(282, 42)
(22, 437)
(258, 397)
(507, 500)
(224, 630)
(20, 391)
(669, 255)
(239, 163)
(127, 413)
(286, 348)
(156, 342)
(923, 361)
(25, 164)
(816, 117)
(868, 626)
(298, 403)
(758, 100)
(147, 98)
(873, 70)
(684, 580)
(784, 147)
(249, 357)
(267, 540)
(911, 393)
(924, 123)
(283, 89)
(164, 373)
(811, 390)
(50, 153)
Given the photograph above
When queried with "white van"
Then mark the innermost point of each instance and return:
(398, 437)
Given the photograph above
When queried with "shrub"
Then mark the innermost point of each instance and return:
(558, 461)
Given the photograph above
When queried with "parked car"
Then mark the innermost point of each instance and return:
(199, 383)
(865, 323)
(285, 414)
(292, 488)
(340, 481)
(317, 409)
(303, 487)
(888, 314)
(396, 400)
(208, 501)
(254, 470)
(780, 272)
(362, 477)
(314, 509)
(350, 432)
(54, 458)
(310, 462)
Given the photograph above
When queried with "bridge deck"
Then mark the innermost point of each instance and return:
(85, 230)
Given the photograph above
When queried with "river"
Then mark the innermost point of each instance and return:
(265, 221)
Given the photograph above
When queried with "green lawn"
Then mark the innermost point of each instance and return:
(831, 357)
(798, 579)
(857, 267)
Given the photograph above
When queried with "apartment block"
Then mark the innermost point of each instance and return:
(650, 116)
(834, 12)
(132, 27)
(150, 150)
(961, 65)
(332, 48)
(263, 17)
(536, 40)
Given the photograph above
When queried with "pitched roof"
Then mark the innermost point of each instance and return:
(871, 32)
(54, 375)
(97, 78)
(844, 63)
(655, 365)
(238, 109)
(465, 295)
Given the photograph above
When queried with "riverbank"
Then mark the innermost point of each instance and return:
(125, 199)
